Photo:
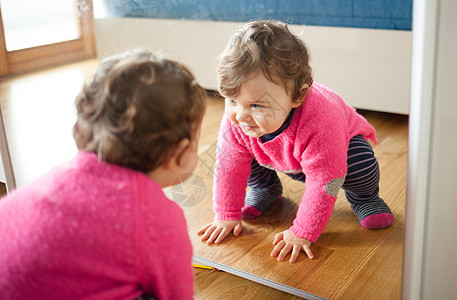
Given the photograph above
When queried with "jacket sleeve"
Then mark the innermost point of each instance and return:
(324, 163)
(231, 173)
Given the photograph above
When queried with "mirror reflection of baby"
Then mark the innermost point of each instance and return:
(100, 225)
(278, 120)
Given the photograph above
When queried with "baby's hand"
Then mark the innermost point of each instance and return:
(286, 241)
(218, 230)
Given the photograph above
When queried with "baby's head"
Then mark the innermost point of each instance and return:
(266, 47)
(137, 108)
(264, 73)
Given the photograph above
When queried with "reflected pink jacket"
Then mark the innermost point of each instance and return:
(93, 230)
(315, 143)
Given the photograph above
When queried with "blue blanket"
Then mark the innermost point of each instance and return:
(380, 14)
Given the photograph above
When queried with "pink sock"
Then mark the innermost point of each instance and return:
(377, 221)
(249, 212)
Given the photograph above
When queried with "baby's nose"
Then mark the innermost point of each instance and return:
(243, 116)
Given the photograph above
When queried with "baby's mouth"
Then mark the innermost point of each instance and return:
(247, 127)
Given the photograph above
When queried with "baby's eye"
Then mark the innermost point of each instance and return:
(256, 106)
(231, 101)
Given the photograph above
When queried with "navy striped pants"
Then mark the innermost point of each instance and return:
(360, 185)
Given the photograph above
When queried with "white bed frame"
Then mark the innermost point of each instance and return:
(369, 68)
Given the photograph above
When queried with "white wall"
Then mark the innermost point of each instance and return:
(430, 269)
(369, 68)
(2, 172)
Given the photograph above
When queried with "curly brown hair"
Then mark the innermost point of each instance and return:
(269, 47)
(136, 108)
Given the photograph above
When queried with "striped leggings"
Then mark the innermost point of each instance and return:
(361, 183)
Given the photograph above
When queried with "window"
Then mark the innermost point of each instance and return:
(36, 34)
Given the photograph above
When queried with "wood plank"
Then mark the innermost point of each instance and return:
(86, 23)
(46, 56)
(3, 61)
(380, 276)
(210, 285)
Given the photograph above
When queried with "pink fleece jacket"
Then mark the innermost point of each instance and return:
(93, 230)
(315, 143)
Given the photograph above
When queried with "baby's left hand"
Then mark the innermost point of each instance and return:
(286, 242)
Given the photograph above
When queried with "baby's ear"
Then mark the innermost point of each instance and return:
(303, 92)
(175, 153)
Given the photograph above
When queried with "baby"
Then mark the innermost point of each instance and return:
(99, 226)
(278, 120)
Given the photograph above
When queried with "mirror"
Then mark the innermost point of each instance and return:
(342, 57)
(345, 57)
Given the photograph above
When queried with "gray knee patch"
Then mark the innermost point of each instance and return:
(332, 188)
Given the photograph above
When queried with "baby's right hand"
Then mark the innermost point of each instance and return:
(219, 229)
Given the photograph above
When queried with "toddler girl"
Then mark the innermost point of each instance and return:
(278, 119)
(99, 226)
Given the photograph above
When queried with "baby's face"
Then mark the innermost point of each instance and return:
(261, 106)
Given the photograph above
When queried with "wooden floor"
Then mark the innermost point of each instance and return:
(351, 262)
(39, 115)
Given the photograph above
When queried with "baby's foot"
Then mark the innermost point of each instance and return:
(258, 200)
(373, 214)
